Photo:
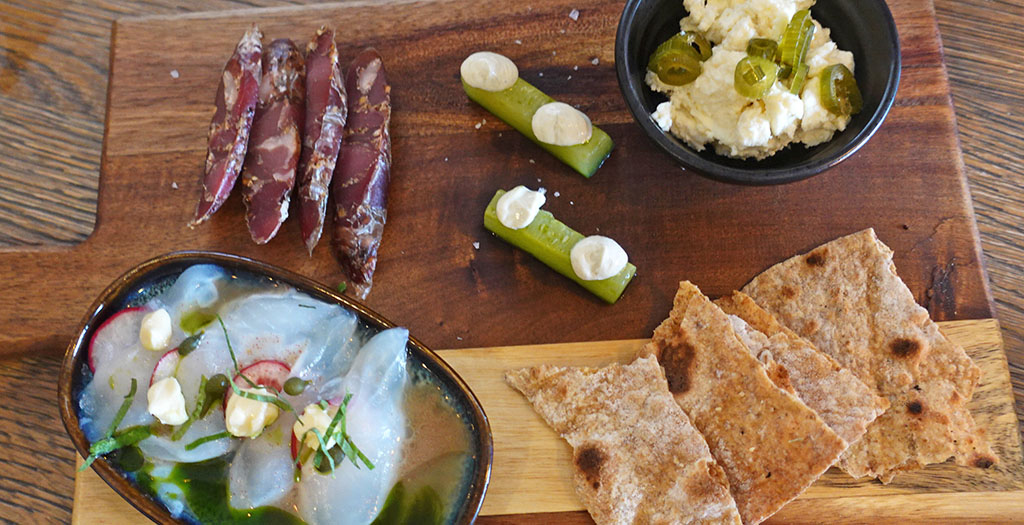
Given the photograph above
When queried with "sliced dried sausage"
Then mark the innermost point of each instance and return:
(363, 172)
(236, 102)
(326, 110)
(275, 143)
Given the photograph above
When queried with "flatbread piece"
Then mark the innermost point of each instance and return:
(637, 458)
(842, 401)
(846, 298)
(770, 444)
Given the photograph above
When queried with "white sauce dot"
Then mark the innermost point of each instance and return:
(597, 257)
(561, 124)
(489, 71)
(517, 208)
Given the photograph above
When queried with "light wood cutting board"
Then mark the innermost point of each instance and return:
(532, 471)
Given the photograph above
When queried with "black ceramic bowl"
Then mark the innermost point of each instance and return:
(130, 287)
(863, 27)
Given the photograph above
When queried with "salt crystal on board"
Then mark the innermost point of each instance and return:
(574, 14)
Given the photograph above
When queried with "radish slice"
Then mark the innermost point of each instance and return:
(268, 373)
(166, 367)
(111, 337)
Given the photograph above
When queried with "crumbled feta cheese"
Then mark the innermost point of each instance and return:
(663, 116)
(709, 111)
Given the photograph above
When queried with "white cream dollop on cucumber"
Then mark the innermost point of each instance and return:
(560, 124)
(597, 257)
(517, 208)
(489, 71)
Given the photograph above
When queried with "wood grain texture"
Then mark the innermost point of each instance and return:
(54, 60)
(532, 466)
(430, 276)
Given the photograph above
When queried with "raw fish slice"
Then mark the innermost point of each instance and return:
(118, 356)
(279, 326)
(377, 426)
(161, 447)
(262, 472)
(197, 288)
(332, 357)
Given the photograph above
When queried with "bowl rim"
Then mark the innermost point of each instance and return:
(632, 93)
(101, 309)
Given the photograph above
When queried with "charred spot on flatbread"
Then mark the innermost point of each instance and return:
(915, 407)
(983, 461)
(589, 459)
(636, 456)
(816, 258)
(858, 311)
(677, 358)
(788, 292)
(905, 348)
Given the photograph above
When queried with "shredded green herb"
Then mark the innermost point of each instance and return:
(206, 439)
(337, 431)
(201, 400)
(121, 412)
(108, 440)
(121, 439)
(273, 400)
(342, 287)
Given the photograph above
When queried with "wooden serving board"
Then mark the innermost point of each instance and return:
(440, 273)
(532, 471)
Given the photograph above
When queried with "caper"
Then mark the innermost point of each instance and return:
(295, 386)
(189, 344)
(336, 454)
(217, 385)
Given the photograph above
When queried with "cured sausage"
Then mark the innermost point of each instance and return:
(275, 143)
(229, 130)
(326, 110)
(361, 177)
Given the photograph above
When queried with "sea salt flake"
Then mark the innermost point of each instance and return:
(557, 194)
(174, 73)
(574, 14)
(540, 74)
(476, 245)
(595, 61)
(571, 203)
(532, 161)
(575, 68)
(174, 185)
(519, 42)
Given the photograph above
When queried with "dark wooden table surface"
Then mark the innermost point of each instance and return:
(53, 79)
